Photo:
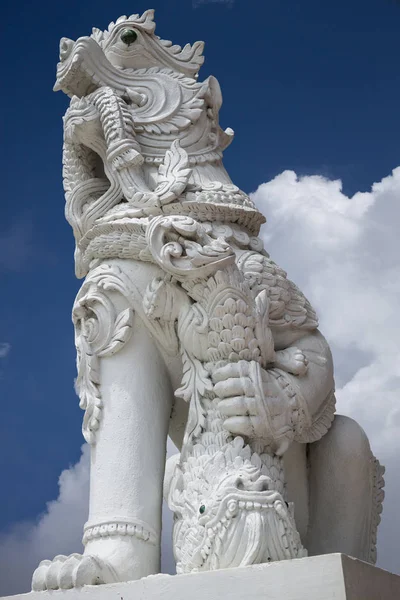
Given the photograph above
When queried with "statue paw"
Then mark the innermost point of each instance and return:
(75, 570)
(293, 360)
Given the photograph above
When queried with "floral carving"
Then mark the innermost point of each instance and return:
(189, 251)
(99, 331)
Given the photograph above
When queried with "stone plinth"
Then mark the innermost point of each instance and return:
(328, 577)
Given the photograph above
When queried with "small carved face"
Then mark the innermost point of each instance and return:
(229, 510)
(213, 518)
(225, 535)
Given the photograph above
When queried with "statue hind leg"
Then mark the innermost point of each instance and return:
(345, 482)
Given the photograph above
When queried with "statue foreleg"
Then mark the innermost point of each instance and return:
(124, 388)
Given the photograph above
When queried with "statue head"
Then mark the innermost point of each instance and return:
(141, 133)
(129, 44)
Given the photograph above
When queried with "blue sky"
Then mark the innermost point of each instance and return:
(309, 86)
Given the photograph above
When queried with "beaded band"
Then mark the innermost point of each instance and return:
(120, 526)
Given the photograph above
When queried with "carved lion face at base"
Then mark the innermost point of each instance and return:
(228, 512)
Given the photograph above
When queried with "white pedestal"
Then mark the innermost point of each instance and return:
(328, 577)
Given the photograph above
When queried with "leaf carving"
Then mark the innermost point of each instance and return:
(87, 387)
(173, 174)
(195, 383)
(121, 334)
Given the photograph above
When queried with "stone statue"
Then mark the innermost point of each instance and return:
(185, 326)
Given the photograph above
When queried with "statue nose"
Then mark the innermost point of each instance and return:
(66, 46)
(260, 485)
(263, 483)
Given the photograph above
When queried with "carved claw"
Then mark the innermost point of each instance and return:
(75, 570)
(292, 360)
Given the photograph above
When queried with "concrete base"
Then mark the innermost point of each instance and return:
(327, 577)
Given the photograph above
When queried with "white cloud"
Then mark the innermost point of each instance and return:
(344, 253)
(57, 531)
(5, 348)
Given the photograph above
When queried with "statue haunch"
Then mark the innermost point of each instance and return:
(184, 325)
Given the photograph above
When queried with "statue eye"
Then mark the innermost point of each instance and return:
(202, 509)
(128, 36)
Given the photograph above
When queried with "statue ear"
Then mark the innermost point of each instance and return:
(169, 474)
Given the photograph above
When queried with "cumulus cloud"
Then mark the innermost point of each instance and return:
(344, 253)
(57, 531)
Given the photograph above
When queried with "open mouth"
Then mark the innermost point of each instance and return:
(82, 67)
